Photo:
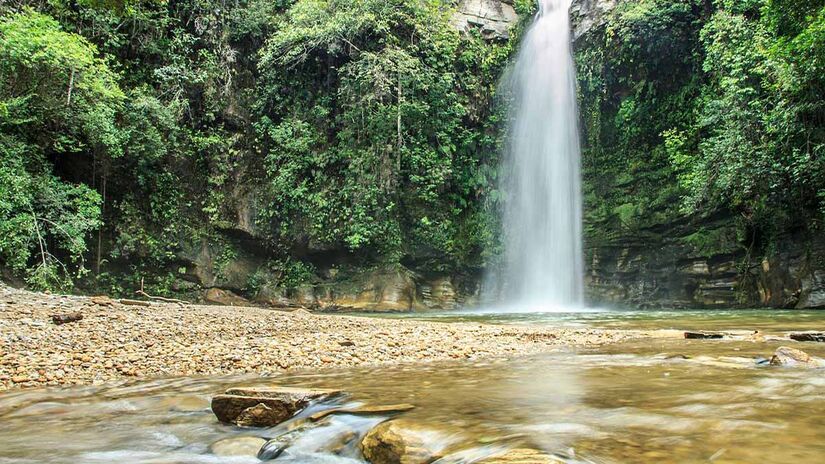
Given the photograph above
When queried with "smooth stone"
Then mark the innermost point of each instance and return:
(403, 442)
(276, 446)
(785, 356)
(185, 403)
(291, 394)
(264, 407)
(237, 446)
(521, 456)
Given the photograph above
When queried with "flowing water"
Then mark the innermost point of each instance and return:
(651, 401)
(542, 217)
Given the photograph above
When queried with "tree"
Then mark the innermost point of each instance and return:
(57, 99)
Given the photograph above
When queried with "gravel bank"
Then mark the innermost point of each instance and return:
(114, 340)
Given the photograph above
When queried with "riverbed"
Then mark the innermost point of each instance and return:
(641, 401)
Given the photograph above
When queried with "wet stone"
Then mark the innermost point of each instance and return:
(404, 442)
(264, 407)
(807, 336)
(791, 357)
(522, 456)
(237, 446)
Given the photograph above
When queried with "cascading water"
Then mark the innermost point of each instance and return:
(543, 268)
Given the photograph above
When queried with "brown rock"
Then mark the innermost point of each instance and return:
(403, 442)
(225, 298)
(704, 335)
(521, 456)
(102, 301)
(128, 302)
(297, 397)
(264, 407)
(230, 408)
(261, 415)
(785, 356)
(60, 319)
(808, 336)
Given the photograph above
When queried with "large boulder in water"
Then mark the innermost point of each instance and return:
(785, 356)
(264, 407)
(403, 442)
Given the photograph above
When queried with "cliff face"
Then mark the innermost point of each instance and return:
(588, 15)
(261, 173)
(669, 266)
(641, 253)
(493, 18)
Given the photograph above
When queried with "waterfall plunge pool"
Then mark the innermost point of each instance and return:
(646, 401)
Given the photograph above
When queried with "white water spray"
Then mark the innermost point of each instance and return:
(543, 268)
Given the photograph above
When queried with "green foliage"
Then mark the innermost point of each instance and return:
(637, 83)
(692, 107)
(367, 109)
(762, 147)
(707, 242)
(56, 99)
(367, 131)
(359, 127)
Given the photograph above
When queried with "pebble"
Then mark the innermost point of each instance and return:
(116, 341)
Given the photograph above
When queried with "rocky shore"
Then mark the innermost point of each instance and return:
(42, 342)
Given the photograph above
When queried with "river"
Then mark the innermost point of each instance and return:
(649, 401)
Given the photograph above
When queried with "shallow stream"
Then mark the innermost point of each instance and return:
(651, 401)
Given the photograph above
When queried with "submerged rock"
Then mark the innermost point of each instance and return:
(237, 446)
(704, 336)
(522, 456)
(264, 407)
(403, 442)
(785, 356)
(364, 411)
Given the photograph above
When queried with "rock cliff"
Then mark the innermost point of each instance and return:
(641, 250)
(587, 15)
(493, 18)
(680, 262)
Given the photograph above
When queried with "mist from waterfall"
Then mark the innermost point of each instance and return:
(542, 218)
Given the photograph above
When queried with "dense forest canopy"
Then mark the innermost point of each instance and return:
(696, 109)
(367, 132)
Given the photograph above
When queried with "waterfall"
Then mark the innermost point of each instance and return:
(542, 218)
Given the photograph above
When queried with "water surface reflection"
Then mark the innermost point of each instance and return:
(661, 401)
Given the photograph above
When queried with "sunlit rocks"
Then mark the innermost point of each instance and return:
(237, 446)
(403, 442)
(785, 356)
(264, 407)
(492, 18)
(521, 456)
